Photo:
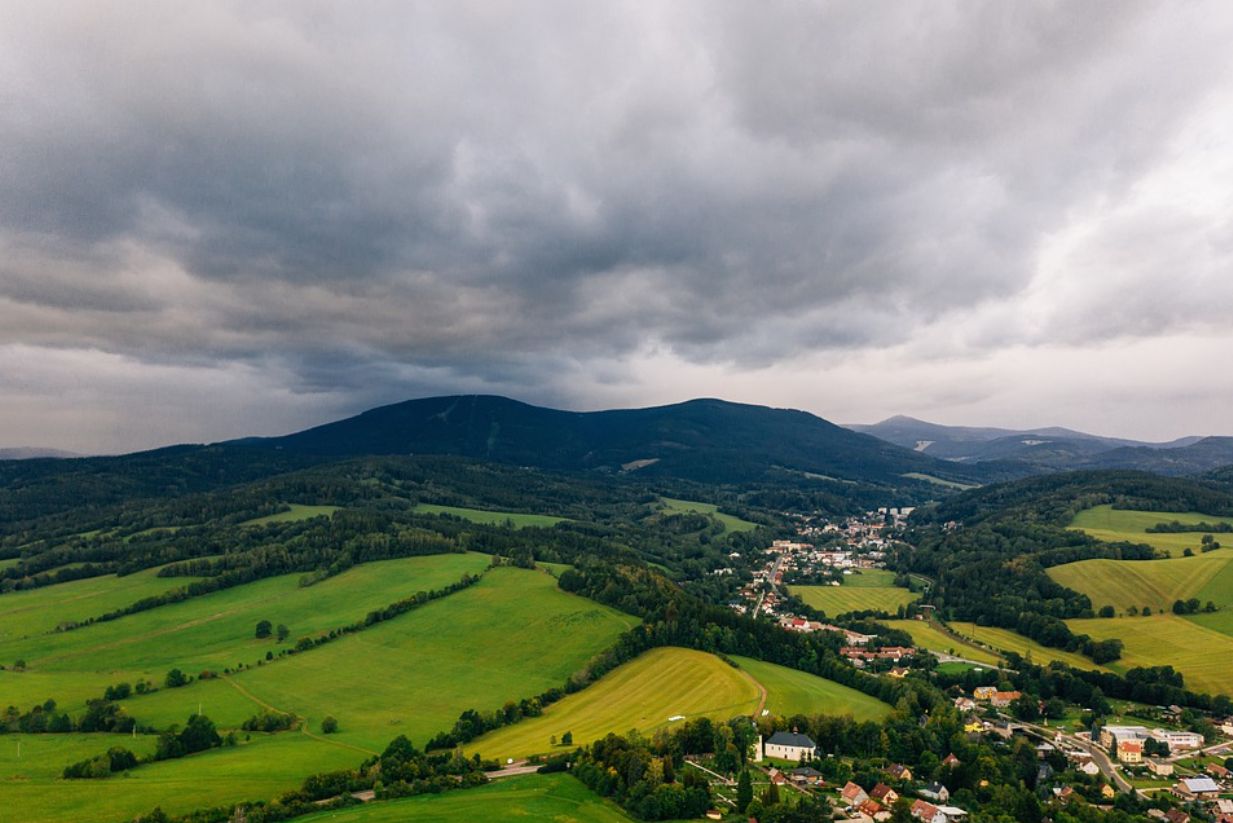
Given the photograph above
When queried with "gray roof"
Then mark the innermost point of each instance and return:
(792, 739)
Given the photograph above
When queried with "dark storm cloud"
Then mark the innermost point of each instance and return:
(373, 199)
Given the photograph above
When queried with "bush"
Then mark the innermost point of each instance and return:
(264, 629)
(329, 725)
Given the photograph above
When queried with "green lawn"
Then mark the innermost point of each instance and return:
(1007, 640)
(868, 590)
(791, 692)
(1200, 653)
(217, 630)
(930, 637)
(642, 694)
(257, 770)
(1116, 525)
(551, 797)
(492, 518)
(513, 635)
(1153, 583)
(295, 513)
(730, 523)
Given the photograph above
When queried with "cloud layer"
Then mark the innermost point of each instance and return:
(254, 216)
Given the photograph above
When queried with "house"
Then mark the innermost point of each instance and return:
(953, 814)
(777, 777)
(898, 771)
(1109, 735)
(790, 746)
(1108, 792)
(965, 704)
(1130, 751)
(950, 761)
(807, 776)
(1160, 768)
(1003, 699)
(927, 812)
(852, 794)
(873, 809)
(1177, 816)
(935, 791)
(1090, 768)
(1223, 806)
(884, 794)
(1217, 771)
(1197, 788)
(1064, 794)
(984, 692)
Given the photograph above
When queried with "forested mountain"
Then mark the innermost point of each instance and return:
(704, 440)
(1052, 448)
(32, 453)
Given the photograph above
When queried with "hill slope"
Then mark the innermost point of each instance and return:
(700, 439)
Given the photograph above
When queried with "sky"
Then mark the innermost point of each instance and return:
(234, 218)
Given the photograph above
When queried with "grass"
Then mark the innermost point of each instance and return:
(492, 518)
(216, 631)
(37, 611)
(293, 514)
(553, 797)
(928, 636)
(1117, 525)
(513, 635)
(730, 522)
(1154, 583)
(938, 481)
(257, 770)
(791, 692)
(642, 694)
(1010, 641)
(871, 590)
(1200, 653)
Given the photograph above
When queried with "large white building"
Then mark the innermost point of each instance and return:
(790, 746)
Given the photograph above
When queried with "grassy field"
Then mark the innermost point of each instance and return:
(1200, 653)
(938, 481)
(513, 635)
(259, 769)
(1010, 641)
(642, 694)
(1116, 525)
(1154, 583)
(296, 512)
(792, 692)
(552, 797)
(730, 523)
(492, 518)
(871, 589)
(928, 636)
(214, 631)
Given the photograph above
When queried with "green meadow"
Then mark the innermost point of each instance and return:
(730, 522)
(1010, 641)
(868, 590)
(520, 520)
(1200, 653)
(295, 513)
(553, 797)
(414, 675)
(1123, 525)
(928, 636)
(791, 692)
(1154, 583)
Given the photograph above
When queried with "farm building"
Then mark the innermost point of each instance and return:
(790, 746)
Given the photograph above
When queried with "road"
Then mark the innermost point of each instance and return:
(515, 769)
(1099, 757)
(774, 574)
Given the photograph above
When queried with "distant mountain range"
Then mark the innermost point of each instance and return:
(29, 453)
(704, 440)
(1052, 448)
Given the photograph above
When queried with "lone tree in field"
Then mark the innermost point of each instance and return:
(329, 725)
(567, 739)
(176, 678)
(283, 632)
(264, 629)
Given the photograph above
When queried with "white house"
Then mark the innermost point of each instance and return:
(790, 746)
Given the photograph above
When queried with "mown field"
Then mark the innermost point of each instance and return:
(258, 769)
(1118, 525)
(791, 692)
(1203, 656)
(730, 522)
(870, 590)
(642, 694)
(1010, 641)
(928, 636)
(1152, 583)
(554, 797)
(519, 520)
(215, 631)
(295, 513)
(414, 675)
